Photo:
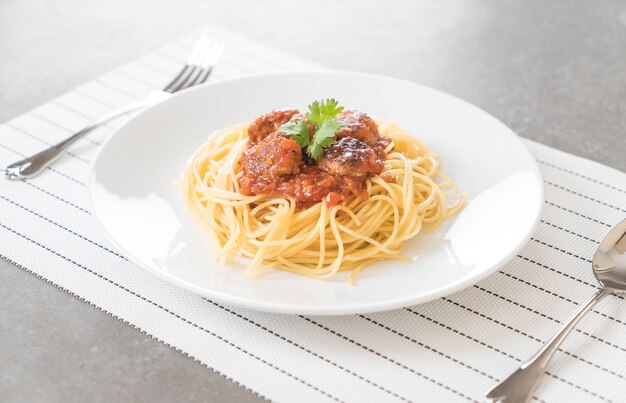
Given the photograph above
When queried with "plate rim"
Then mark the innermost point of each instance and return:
(327, 310)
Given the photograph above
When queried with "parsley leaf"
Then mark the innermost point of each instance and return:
(324, 137)
(322, 115)
(298, 130)
(321, 111)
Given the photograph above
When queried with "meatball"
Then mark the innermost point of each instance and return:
(359, 126)
(350, 157)
(268, 123)
(272, 157)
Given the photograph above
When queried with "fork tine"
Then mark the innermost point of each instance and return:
(195, 57)
(200, 46)
(209, 67)
(198, 64)
(180, 77)
(197, 53)
(210, 54)
(192, 78)
(214, 56)
(208, 63)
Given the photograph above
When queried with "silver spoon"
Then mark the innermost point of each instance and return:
(609, 268)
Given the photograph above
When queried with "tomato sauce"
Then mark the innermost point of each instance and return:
(275, 164)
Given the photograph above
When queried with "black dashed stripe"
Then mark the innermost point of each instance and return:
(560, 250)
(74, 295)
(569, 171)
(544, 316)
(69, 203)
(536, 312)
(199, 327)
(568, 231)
(306, 349)
(489, 318)
(578, 214)
(557, 271)
(509, 275)
(463, 334)
(574, 303)
(49, 168)
(58, 125)
(218, 305)
(535, 339)
(39, 139)
(427, 347)
(578, 387)
(356, 343)
(63, 227)
(84, 115)
(594, 286)
(584, 196)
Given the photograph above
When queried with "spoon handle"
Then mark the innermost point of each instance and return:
(518, 386)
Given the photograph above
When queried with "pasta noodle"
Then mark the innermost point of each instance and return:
(409, 197)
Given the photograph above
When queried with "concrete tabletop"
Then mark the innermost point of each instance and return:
(554, 72)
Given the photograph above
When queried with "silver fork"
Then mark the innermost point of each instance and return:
(204, 56)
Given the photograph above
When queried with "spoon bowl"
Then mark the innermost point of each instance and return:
(609, 261)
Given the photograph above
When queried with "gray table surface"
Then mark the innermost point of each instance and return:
(554, 71)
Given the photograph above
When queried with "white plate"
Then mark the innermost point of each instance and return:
(144, 215)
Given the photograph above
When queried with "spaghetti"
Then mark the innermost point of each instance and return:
(410, 196)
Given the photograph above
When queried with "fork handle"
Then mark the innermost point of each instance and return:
(519, 386)
(33, 165)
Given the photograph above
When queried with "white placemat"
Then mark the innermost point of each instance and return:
(452, 349)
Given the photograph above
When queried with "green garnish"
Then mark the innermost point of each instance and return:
(324, 137)
(298, 130)
(320, 112)
(322, 115)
